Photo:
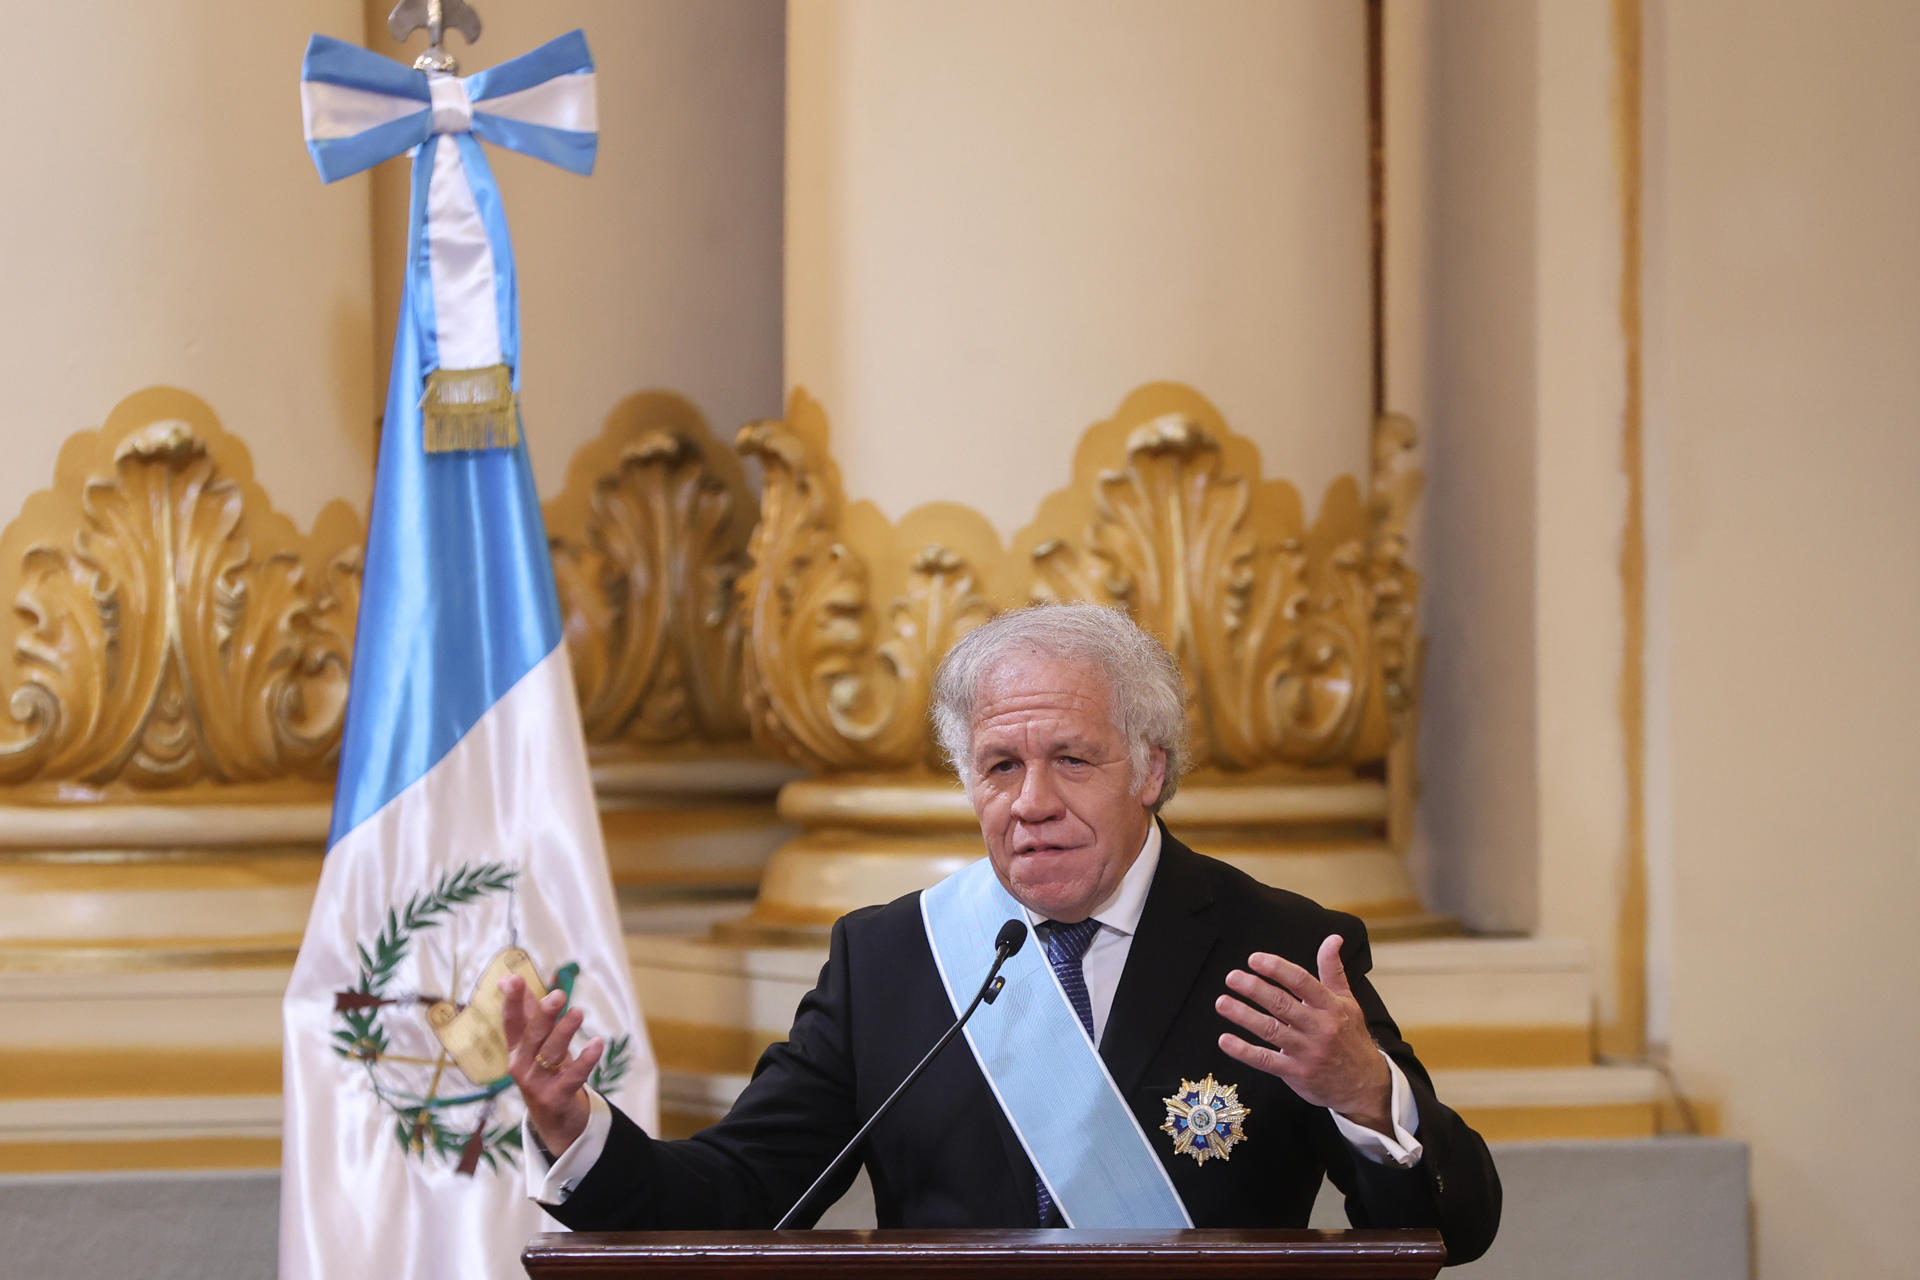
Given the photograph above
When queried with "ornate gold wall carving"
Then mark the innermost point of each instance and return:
(648, 539)
(1296, 638)
(173, 684)
(832, 682)
(175, 634)
(171, 627)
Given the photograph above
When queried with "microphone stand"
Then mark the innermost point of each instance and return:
(989, 990)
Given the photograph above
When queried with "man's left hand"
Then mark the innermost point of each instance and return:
(1311, 1033)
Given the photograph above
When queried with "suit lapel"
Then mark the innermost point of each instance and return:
(1177, 930)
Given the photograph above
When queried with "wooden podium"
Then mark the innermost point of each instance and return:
(1002, 1255)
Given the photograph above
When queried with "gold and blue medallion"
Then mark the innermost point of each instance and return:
(1206, 1119)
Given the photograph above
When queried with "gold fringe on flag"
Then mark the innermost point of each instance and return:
(466, 409)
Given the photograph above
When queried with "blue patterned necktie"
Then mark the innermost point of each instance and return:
(1066, 944)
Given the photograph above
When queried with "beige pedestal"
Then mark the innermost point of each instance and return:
(867, 840)
(690, 827)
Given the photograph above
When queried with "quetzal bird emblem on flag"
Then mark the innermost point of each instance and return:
(424, 1019)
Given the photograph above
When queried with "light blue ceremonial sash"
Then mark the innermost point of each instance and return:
(1044, 1072)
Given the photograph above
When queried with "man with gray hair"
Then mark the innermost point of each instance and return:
(1188, 1047)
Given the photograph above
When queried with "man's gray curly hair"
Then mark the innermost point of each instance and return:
(1149, 697)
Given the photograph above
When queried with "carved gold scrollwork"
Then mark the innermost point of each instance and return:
(1273, 622)
(1295, 639)
(647, 578)
(173, 629)
(1395, 487)
(824, 685)
(170, 631)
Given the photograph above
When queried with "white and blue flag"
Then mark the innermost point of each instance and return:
(465, 842)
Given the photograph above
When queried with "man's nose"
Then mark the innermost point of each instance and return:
(1038, 799)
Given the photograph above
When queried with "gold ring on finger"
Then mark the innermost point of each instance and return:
(540, 1061)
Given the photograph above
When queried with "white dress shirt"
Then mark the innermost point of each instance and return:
(1105, 959)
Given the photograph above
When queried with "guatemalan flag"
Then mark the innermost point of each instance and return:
(465, 842)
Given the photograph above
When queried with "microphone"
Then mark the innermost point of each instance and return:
(1012, 936)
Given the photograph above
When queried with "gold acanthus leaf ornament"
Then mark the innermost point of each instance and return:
(155, 648)
(1296, 639)
(647, 584)
(1293, 640)
(1395, 487)
(827, 684)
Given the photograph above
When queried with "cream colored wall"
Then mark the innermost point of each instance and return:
(178, 234)
(1122, 191)
(661, 271)
(1463, 290)
(1787, 194)
(1782, 186)
(1507, 289)
(1582, 584)
(164, 225)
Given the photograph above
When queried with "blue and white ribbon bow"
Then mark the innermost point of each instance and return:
(362, 109)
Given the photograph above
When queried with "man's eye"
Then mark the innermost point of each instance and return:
(1000, 766)
(1072, 760)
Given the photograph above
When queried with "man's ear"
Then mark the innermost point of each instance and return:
(1156, 777)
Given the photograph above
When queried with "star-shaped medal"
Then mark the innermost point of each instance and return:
(1206, 1119)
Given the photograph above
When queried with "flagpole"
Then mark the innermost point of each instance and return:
(464, 815)
(436, 16)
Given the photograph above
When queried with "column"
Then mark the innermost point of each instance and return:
(1043, 262)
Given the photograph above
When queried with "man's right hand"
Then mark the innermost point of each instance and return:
(551, 1083)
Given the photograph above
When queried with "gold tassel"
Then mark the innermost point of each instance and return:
(466, 409)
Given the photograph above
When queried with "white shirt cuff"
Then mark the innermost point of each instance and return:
(552, 1184)
(1402, 1148)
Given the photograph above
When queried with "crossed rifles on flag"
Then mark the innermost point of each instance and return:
(471, 1035)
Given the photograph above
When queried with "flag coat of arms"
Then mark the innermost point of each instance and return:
(465, 842)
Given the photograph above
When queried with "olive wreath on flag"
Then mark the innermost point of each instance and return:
(422, 1120)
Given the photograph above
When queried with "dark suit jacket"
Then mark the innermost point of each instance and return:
(945, 1156)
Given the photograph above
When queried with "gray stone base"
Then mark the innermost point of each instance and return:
(157, 1226)
(1662, 1209)
(1654, 1209)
